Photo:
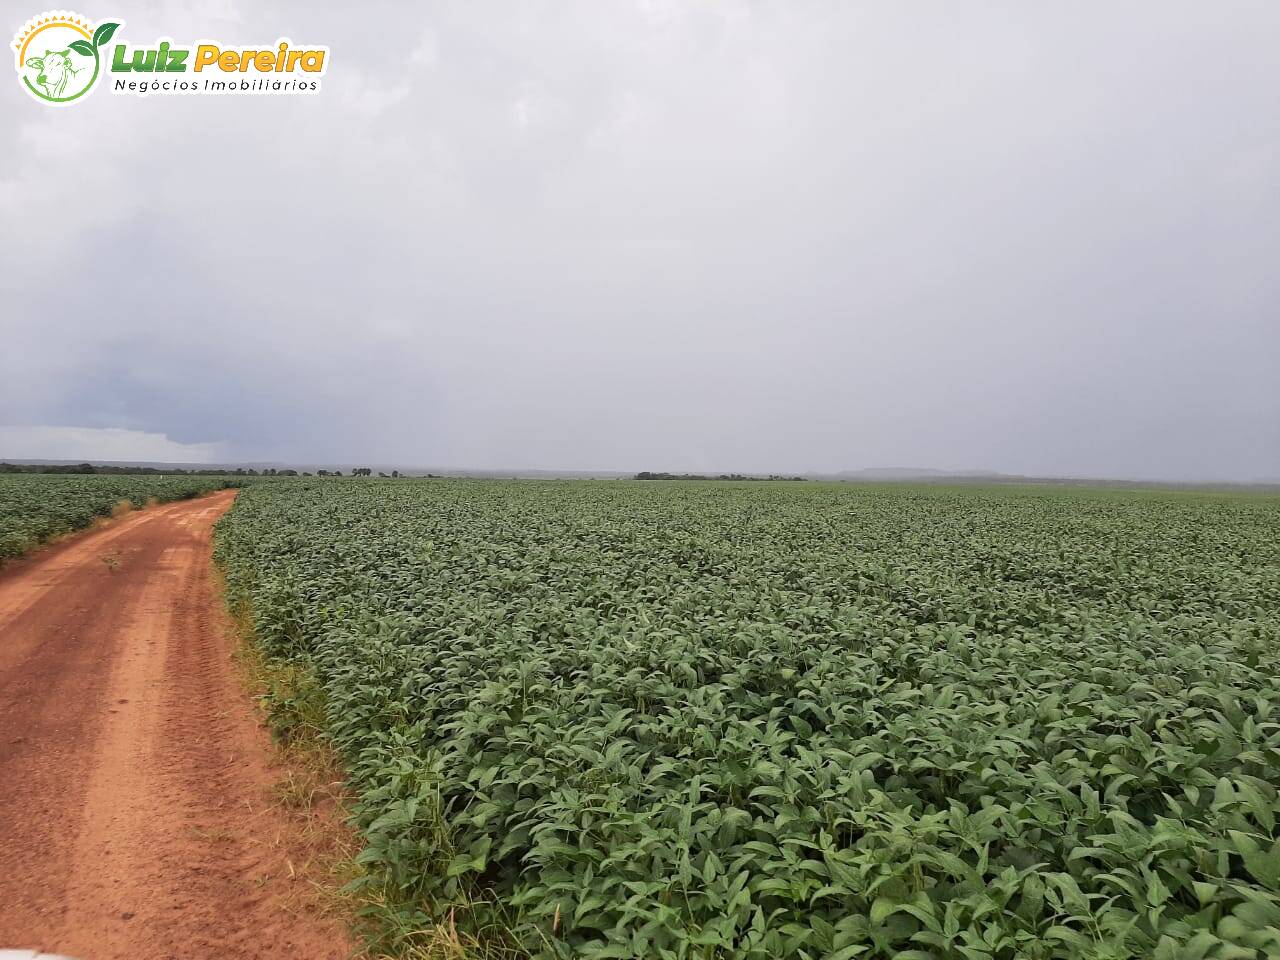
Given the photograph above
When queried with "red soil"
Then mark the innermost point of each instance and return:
(136, 812)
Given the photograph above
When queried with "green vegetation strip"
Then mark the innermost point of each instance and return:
(617, 719)
(35, 507)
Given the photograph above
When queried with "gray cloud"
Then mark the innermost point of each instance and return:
(758, 236)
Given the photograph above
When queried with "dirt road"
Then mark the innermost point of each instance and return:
(136, 817)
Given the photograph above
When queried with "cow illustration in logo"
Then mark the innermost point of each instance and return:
(56, 71)
(59, 57)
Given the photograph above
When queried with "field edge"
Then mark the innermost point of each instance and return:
(313, 792)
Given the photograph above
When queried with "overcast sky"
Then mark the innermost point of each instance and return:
(1030, 237)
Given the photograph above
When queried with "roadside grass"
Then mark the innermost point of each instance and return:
(388, 924)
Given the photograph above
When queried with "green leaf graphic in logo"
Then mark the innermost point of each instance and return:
(103, 33)
(59, 60)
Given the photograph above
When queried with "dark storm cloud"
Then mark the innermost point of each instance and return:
(801, 236)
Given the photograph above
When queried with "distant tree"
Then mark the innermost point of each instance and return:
(651, 475)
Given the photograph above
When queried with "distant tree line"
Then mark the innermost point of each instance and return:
(140, 470)
(184, 471)
(137, 470)
(96, 468)
(650, 475)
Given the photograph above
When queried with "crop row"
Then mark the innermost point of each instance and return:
(615, 719)
(37, 507)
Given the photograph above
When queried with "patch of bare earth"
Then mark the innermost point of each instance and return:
(140, 798)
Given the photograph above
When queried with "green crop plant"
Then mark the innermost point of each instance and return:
(701, 720)
(35, 508)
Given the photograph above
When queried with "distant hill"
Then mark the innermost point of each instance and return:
(930, 475)
(898, 474)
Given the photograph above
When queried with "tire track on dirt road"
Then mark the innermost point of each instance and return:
(136, 820)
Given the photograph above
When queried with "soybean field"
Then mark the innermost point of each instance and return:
(36, 507)
(750, 720)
